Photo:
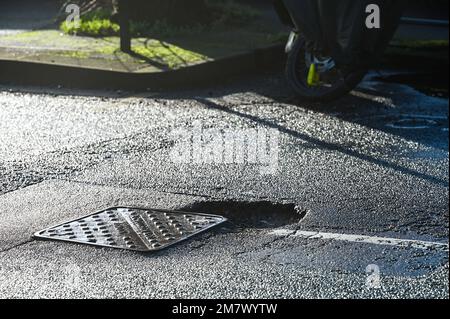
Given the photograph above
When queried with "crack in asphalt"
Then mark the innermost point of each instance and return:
(23, 243)
(78, 159)
(69, 180)
(268, 244)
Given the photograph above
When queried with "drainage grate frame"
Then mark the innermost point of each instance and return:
(132, 228)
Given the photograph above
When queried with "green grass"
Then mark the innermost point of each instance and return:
(171, 55)
(98, 43)
(161, 52)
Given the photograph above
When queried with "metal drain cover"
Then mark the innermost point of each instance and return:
(129, 228)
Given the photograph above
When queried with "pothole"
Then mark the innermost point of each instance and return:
(147, 229)
(259, 215)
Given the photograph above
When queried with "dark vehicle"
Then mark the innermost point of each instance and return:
(333, 43)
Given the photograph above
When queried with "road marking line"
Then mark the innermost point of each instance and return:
(408, 243)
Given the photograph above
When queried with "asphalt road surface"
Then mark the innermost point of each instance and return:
(369, 174)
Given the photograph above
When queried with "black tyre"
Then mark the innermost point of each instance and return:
(297, 72)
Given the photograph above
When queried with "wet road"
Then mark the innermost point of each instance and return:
(370, 172)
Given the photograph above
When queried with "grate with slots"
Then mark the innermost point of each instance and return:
(129, 228)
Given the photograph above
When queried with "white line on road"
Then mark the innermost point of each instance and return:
(408, 243)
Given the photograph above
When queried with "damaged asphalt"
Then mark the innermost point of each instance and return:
(66, 153)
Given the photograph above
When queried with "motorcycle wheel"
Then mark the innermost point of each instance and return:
(297, 72)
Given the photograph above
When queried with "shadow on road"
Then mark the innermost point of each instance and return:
(324, 144)
(273, 89)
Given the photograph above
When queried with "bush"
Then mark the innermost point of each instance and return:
(223, 13)
(95, 23)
